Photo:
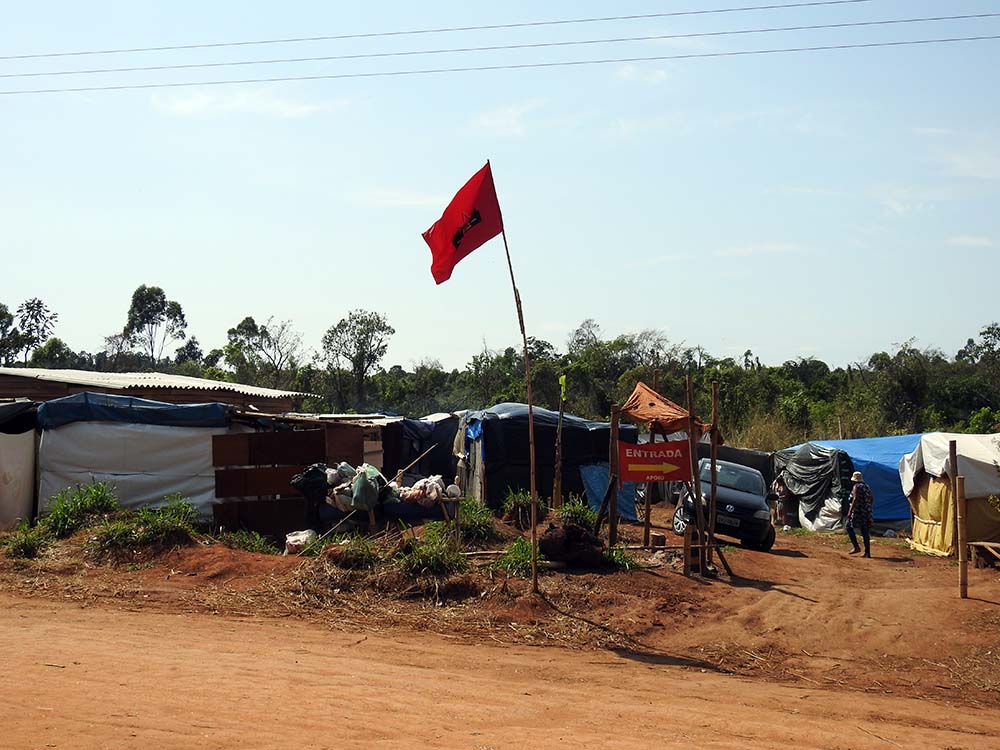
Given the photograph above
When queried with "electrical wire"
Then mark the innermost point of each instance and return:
(499, 47)
(512, 66)
(443, 30)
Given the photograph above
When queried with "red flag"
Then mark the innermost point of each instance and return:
(471, 219)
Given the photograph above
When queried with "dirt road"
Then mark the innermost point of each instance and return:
(95, 677)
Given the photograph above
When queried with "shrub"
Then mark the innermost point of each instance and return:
(577, 511)
(434, 553)
(517, 508)
(26, 541)
(476, 522)
(75, 507)
(357, 553)
(616, 557)
(249, 541)
(517, 559)
(131, 532)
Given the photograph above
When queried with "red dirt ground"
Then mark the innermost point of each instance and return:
(807, 647)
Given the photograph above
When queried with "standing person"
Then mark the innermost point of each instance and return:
(779, 505)
(859, 515)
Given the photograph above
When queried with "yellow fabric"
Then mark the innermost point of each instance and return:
(933, 519)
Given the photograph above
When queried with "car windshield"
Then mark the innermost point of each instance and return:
(734, 478)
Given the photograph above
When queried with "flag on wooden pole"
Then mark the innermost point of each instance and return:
(470, 220)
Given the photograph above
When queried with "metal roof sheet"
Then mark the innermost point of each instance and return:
(145, 380)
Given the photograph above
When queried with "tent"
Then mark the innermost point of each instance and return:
(878, 461)
(926, 479)
(145, 449)
(820, 479)
(647, 406)
(17, 462)
(404, 440)
(495, 457)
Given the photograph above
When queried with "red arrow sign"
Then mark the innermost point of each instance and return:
(655, 462)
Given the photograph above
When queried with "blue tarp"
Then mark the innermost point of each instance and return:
(595, 484)
(104, 407)
(878, 461)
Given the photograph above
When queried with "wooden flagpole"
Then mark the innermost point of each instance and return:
(531, 419)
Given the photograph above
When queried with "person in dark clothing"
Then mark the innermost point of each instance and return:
(859, 515)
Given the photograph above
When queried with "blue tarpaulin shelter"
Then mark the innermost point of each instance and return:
(878, 461)
(105, 407)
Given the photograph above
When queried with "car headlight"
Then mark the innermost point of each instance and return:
(763, 515)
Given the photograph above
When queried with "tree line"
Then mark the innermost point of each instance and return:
(907, 389)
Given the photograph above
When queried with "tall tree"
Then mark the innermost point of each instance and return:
(265, 354)
(35, 321)
(360, 340)
(10, 337)
(153, 321)
(55, 354)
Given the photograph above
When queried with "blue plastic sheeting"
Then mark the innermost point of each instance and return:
(595, 484)
(104, 407)
(878, 461)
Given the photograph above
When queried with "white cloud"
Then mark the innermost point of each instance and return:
(981, 163)
(902, 200)
(973, 241)
(641, 74)
(244, 101)
(508, 121)
(759, 248)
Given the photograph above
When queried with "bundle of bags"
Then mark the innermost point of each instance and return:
(356, 489)
(429, 491)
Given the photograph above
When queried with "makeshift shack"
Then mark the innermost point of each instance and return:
(492, 445)
(878, 461)
(819, 478)
(17, 462)
(145, 449)
(926, 474)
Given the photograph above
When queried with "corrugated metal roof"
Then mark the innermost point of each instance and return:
(144, 380)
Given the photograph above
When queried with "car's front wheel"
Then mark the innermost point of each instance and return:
(761, 545)
(680, 523)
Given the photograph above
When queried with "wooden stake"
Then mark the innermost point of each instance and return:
(531, 419)
(613, 477)
(557, 478)
(953, 481)
(693, 437)
(687, 550)
(963, 563)
(714, 456)
(649, 485)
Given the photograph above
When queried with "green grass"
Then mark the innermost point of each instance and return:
(75, 507)
(249, 541)
(26, 541)
(434, 554)
(476, 522)
(357, 553)
(517, 507)
(576, 511)
(517, 559)
(616, 557)
(131, 532)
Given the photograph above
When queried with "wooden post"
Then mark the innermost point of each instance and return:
(693, 437)
(646, 523)
(714, 457)
(687, 550)
(963, 563)
(953, 481)
(557, 477)
(613, 477)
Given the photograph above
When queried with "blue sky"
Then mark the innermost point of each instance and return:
(824, 204)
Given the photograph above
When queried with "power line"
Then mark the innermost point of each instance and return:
(515, 66)
(443, 30)
(499, 47)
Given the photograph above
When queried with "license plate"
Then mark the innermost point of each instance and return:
(727, 521)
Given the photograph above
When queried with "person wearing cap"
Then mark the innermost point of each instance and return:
(859, 515)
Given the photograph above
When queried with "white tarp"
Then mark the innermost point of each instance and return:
(143, 462)
(17, 477)
(978, 462)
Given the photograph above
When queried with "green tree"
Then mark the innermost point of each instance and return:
(154, 321)
(35, 322)
(266, 355)
(55, 354)
(11, 342)
(358, 343)
(190, 352)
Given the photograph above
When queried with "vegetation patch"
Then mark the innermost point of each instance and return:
(434, 554)
(517, 559)
(516, 509)
(354, 552)
(26, 541)
(476, 522)
(619, 559)
(249, 541)
(76, 507)
(131, 533)
(577, 511)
